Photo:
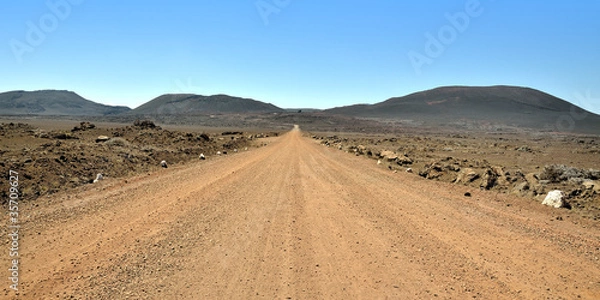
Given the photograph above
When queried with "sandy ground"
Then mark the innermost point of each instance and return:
(296, 220)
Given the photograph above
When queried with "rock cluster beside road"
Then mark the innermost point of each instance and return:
(52, 160)
(441, 161)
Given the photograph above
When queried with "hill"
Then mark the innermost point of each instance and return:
(506, 105)
(179, 104)
(52, 102)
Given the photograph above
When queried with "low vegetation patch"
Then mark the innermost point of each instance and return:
(561, 173)
(53, 161)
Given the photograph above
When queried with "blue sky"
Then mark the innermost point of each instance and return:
(296, 53)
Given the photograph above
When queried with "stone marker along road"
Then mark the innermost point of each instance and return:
(296, 220)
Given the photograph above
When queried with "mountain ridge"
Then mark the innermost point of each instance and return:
(504, 105)
(53, 102)
(199, 104)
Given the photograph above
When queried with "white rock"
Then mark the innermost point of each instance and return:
(409, 170)
(202, 157)
(555, 199)
(98, 178)
(379, 162)
(164, 164)
(102, 138)
(218, 152)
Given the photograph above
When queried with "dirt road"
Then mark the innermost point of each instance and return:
(296, 220)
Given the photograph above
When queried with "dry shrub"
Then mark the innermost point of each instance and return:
(118, 141)
(145, 124)
(560, 173)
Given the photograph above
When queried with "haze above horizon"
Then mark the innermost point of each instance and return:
(299, 53)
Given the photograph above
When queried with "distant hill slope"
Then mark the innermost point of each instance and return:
(177, 104)
(51, 102)
(512, 106)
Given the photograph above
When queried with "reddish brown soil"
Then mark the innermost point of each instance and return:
(296, 220)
